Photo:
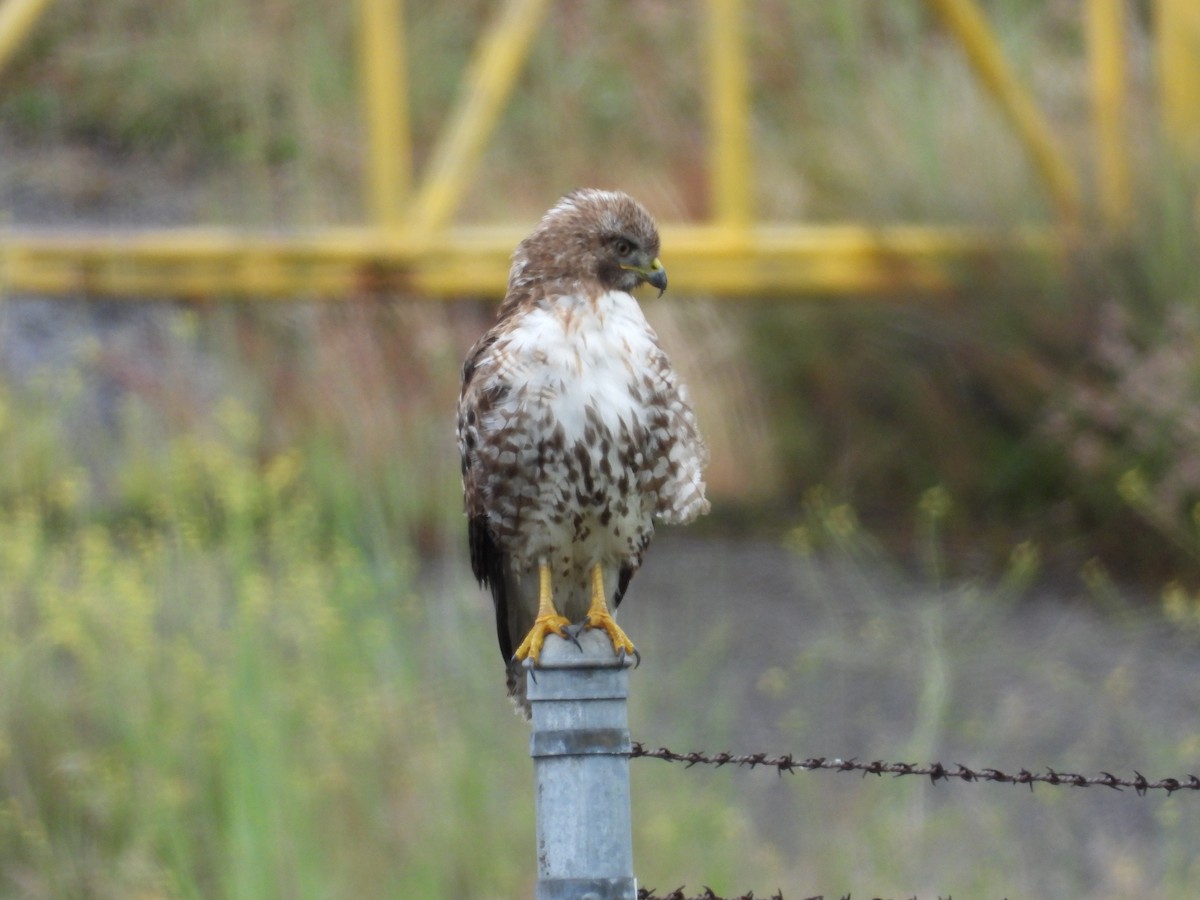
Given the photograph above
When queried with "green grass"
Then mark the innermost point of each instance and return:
(224, 676)
(209, 691)
(982, 672)
(219, 683)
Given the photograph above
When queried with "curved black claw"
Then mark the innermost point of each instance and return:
(529, 665)
(637, 657)
(572, 632)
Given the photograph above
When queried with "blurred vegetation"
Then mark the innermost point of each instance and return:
(222, 676)
(864, 111)
(216, 683)
(225, 676)
(243, 541)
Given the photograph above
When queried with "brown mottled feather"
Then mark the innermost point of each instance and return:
(574, 432)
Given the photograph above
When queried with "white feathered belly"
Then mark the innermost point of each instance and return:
(580, 441)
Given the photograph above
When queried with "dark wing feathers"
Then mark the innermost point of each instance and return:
(487, 563)
(487, 559)
(623, 578)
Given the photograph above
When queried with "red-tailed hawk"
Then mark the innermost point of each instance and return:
(574, 431)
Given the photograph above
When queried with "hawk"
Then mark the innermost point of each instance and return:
(575, 433)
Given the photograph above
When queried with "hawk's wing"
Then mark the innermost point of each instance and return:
(491, 570)
(488, 562)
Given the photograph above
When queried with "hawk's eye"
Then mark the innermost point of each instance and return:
(622, 247)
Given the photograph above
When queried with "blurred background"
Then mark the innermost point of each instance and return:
(954, 513)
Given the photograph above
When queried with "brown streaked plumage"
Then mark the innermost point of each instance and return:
(574, 431)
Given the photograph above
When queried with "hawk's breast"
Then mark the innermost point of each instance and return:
(576, 432)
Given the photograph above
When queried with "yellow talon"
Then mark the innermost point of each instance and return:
(548, 620)
(598, 616)
(531, 647)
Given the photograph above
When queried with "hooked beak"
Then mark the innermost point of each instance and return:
(654, 274)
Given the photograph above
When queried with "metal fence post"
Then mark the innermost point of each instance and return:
(580, 748)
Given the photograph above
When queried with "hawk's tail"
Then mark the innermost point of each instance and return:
(517, 680)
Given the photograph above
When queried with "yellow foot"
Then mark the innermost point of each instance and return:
(603, 620)
(531, 647)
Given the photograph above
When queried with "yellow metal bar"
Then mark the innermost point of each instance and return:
(729, 126)
(385, 96)
(1110, 102)
(966, 22)
(487, 87)
(777, 260)
(1178, 37)
(17, 17)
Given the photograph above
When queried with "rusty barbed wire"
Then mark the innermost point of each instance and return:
(934, 771)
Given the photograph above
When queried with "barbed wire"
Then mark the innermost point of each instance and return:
(678, 894)
(934, 771)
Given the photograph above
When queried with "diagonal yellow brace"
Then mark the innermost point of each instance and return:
(493, 72)
(17, 17)
(966, 22)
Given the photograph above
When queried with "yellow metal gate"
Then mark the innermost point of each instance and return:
(411, 242)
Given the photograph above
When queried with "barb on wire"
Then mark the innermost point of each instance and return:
(678, 894)
(934, 771)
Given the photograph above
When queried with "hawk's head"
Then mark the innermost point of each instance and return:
(592, 238)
